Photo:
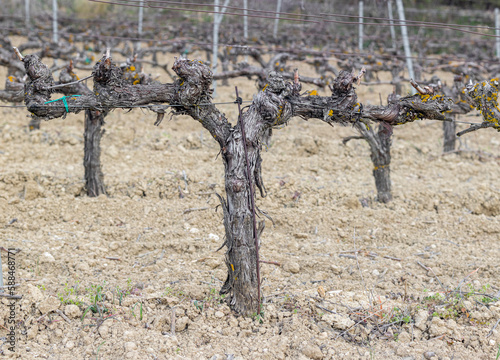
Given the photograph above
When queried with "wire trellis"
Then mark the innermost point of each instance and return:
(321, 16)
(149, 107)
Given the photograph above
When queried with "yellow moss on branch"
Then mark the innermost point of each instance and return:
(484, 96)
(428, 97)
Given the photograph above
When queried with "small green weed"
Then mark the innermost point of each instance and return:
(400, 316)
(140, 310)
(123, 293)
(213, 299)
(99, 348)
(96, 296)
(69, 295)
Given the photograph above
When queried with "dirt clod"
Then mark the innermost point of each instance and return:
(312, 352)
(72, 311)
(51, 303)
(338, 321)
(292, 267)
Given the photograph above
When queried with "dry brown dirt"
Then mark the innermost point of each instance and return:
(413, 289)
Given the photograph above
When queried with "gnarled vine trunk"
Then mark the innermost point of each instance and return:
(380, 154)
(94, 178)
(241, 283)
(381, 158)
(271, 108)
(449, 135)
(34, 123)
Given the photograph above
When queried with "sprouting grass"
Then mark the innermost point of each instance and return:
(140, 310)
(69, 295)
(96, 296)
(99, 348)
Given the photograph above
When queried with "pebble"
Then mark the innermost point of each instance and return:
(312, 352)
(301, 235)
(51, 303)
(129, 346)
(128, 335)
(429, 354)
(338, 321)
(103, 331)
(72, 311)
(292, 267)
(181, 324)
(404, 337)
(421, 319)
(213, 237)
(82, 267)
(47, 257)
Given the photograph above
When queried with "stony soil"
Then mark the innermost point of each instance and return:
(145, 257)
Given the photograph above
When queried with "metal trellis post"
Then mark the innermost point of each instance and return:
(497, 30)
(406, 43)
(360, 26)
(392, 28)
(277, 19)
(139, 25)
(55, 35)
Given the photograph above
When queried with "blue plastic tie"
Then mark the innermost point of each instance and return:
(63, 100)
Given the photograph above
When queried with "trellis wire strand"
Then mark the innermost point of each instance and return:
(176, 105)
(406, 23)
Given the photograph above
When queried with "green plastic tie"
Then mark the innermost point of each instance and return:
(63, 100)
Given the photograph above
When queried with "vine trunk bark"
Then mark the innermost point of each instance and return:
(94, 177)
(449, 135)
(381, 158)
(241, 258)
(380, 154)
